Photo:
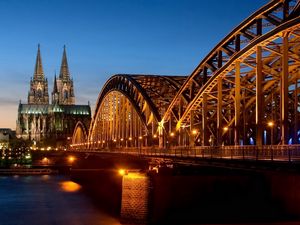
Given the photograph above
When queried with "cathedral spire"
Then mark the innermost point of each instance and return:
(55, 93)
(38, 70)
(38, 92)
(55, 85)
(64, 68)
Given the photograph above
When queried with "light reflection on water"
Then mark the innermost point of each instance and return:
(69, 186)
(47, 200)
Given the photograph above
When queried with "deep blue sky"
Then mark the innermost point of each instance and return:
(105, 37)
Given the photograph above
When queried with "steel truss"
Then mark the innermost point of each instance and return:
(80, 136)
(129, 109)
(244, 92)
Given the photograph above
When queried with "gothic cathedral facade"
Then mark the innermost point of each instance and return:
(38, 120)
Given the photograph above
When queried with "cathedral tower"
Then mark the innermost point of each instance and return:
(63, 90)
(38, 93)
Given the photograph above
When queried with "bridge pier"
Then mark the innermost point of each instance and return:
(135, 198)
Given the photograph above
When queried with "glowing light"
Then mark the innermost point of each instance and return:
(122, 139)
(45, 160)
(115, 140)
(155, 136)
(71, 159)
(172, 134)
(194, 132)
(123, 172)
(135, 175)
(271, 124)
(69, 186)
(103, 142)
(225, 128)
(130, 138)
(140, 137)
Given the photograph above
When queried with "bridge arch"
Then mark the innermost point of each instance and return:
(129, 108)
(246, 87)
(80, 136)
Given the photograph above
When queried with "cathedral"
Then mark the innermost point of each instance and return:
(54, 122)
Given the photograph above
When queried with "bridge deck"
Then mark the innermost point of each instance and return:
(265, 153)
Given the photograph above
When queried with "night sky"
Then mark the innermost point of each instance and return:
(106, 37)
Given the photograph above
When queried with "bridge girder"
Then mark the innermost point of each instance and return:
(254, 66)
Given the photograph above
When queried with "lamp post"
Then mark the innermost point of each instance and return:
(141, 141)
(172, 134)
(271, 125)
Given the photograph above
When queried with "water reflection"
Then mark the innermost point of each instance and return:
(47, 200)
(69, 186)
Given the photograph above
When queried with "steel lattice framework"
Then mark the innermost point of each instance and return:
(245, 91)
(80, 135)
(248, 81)
(129, 109)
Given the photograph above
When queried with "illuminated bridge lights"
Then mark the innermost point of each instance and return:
(234, 97)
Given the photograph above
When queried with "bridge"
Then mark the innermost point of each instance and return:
(241, 101)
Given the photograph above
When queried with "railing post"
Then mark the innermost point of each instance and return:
(243, 153)
(289, 149)
(272, 153)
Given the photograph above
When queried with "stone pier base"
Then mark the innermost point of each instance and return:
(135, 198)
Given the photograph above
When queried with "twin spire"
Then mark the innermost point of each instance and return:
(64, 68)
(63, 90)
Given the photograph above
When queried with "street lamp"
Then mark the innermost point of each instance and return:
(140, 138)
(271, 125)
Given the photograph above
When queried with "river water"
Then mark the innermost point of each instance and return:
(47, 200)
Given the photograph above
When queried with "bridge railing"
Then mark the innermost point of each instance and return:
(267, 152)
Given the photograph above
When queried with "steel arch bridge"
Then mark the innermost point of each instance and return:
(244, 92)
(129, 109)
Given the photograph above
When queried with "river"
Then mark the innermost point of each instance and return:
(47, 200)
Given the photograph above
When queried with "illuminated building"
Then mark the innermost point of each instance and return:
(38, 120)
(6, 135)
